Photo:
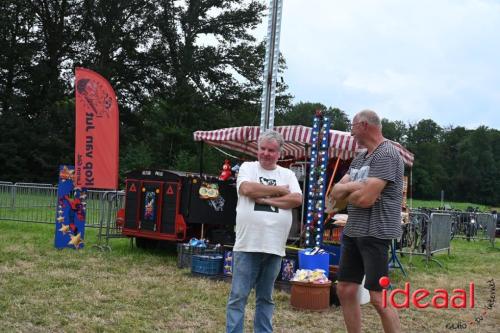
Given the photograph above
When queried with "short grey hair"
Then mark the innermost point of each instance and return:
(271, 135)
(370, 117)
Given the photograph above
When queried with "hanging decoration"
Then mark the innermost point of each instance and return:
(209, 191)
(226, 171)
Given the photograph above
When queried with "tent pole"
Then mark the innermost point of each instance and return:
(304, 195)
(201, 175)
(333, 176)
(411, 188)
(201, 158)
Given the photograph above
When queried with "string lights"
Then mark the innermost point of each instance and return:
(317, 178)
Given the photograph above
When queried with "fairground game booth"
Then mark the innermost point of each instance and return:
(176, 206)
(296, 154)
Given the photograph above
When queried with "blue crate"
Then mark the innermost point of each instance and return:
(335, 253)
(207, 264)
(317, 261)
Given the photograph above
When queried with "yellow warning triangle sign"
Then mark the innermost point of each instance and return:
(132, 188)
(170, 190)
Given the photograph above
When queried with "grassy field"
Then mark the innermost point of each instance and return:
(41, 207)
(454, 205)
(130, 290)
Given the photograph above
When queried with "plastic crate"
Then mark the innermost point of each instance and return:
(185, 253)
(210, 264)
(334, 251)
(317, 261)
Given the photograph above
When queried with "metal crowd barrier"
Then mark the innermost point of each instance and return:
(474, 226)
(29, 202)
(426, 234)
(110, 225)
(438, 235)
(487, 224)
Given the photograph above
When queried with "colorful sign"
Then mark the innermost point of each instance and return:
(70, 214)
(228, 263)
(288, 268)
(97, 129)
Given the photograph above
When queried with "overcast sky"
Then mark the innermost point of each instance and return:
(406, 59)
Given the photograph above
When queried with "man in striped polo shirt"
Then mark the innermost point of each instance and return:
(373, 187)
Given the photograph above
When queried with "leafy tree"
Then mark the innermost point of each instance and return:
(16, 51)
(113, 38)
(176, 66)
(429, 174)
(33, 93)
(209, 71)
(394, 130)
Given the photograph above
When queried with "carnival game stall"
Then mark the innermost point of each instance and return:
(302, 146)
(298, 147)
(166, 205)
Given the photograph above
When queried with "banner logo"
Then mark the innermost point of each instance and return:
(96, 137)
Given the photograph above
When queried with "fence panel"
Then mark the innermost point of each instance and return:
(6, 199)
(30, 202)
(110, 226)
(439, 232)
(487, 224)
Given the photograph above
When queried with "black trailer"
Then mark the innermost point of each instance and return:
(176, 206)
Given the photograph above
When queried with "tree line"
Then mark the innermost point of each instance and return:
(464, 163)
(178, 67)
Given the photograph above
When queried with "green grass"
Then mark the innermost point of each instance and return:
(454, 205)
(130, 290)
(41, 207)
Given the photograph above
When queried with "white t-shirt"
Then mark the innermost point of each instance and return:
(263, 228)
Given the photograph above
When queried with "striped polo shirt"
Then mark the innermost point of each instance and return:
(383, 219)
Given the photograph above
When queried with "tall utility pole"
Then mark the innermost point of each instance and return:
(271, 65)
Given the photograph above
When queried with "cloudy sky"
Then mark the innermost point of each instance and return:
(406, 59)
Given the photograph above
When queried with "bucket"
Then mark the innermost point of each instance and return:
(310, 296)
(363, 293)
(317, 261)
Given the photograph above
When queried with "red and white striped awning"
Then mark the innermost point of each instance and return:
(244, 140)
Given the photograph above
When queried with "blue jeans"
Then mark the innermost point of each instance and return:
(252, 269)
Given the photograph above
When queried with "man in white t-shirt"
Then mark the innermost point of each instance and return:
(266, 195)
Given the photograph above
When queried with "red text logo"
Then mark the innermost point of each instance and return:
(423, 298)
